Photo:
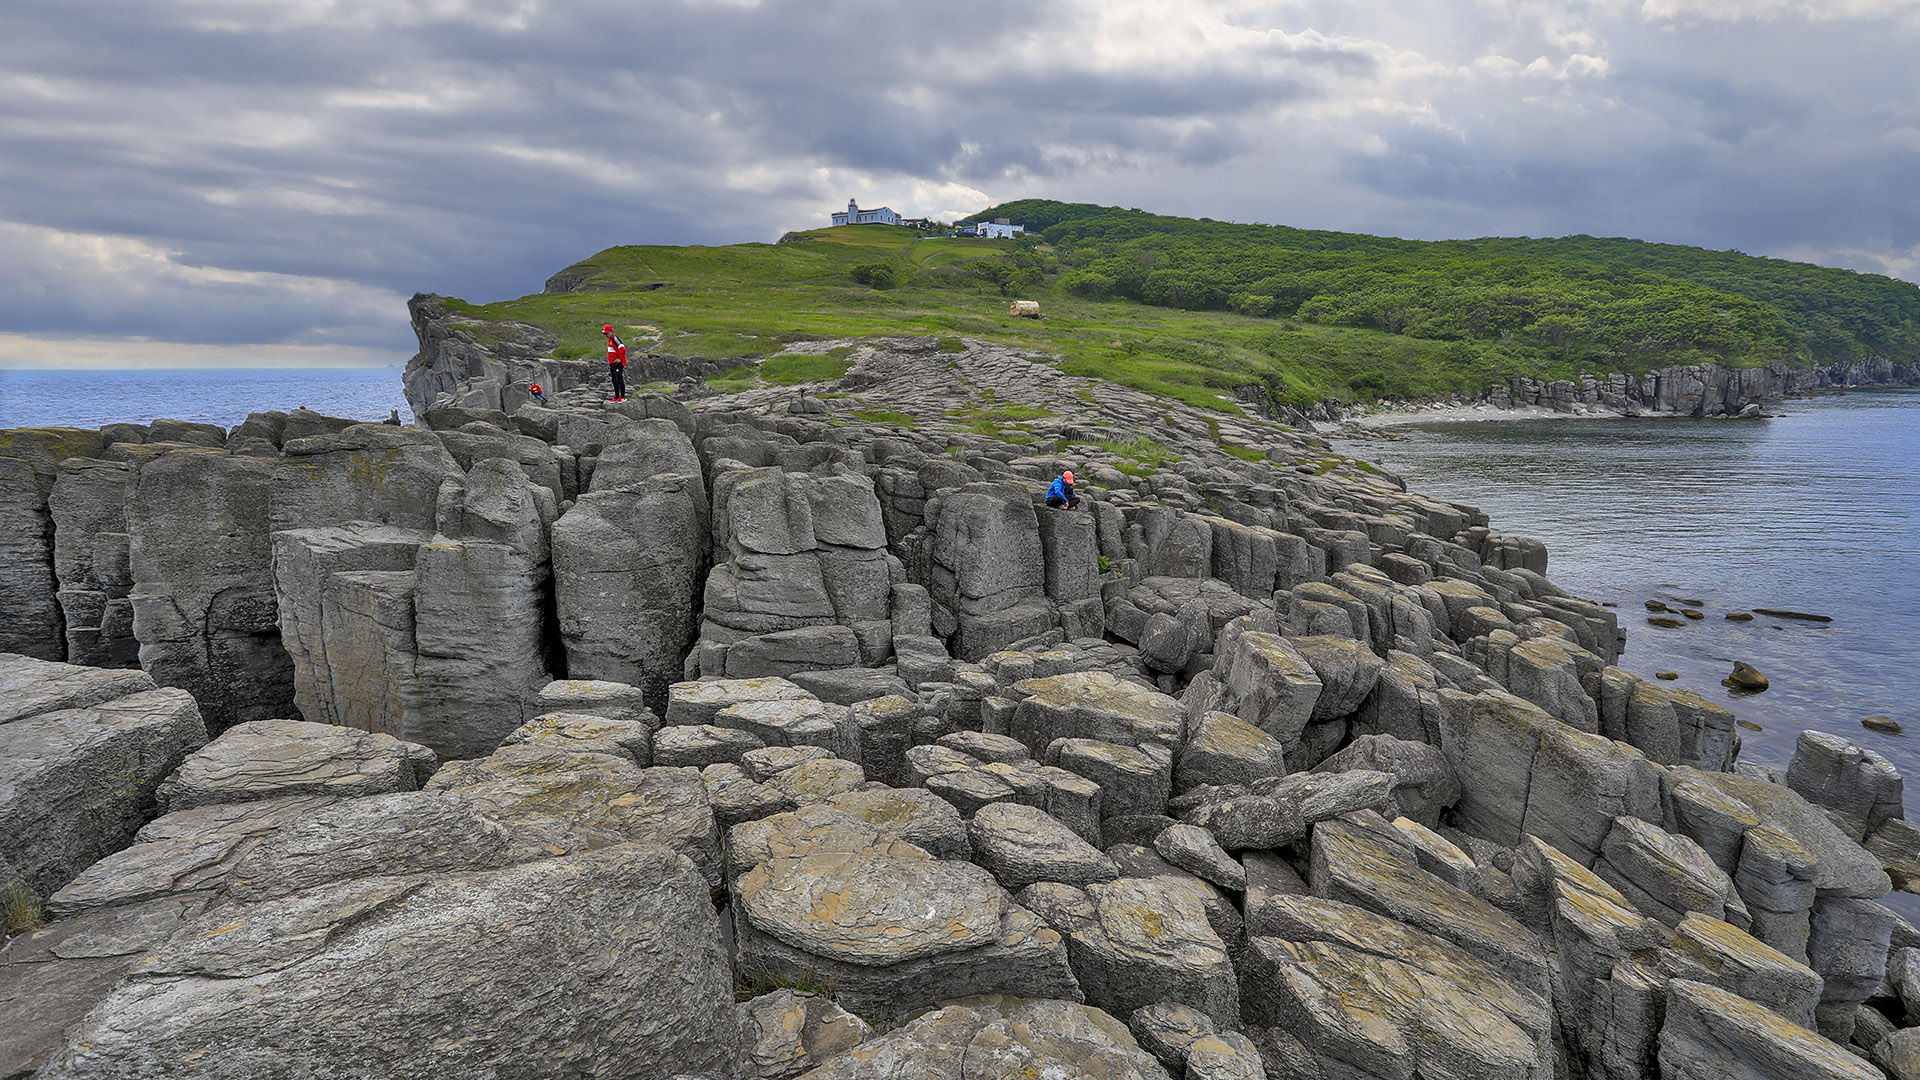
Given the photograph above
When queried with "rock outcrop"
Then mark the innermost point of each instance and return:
(1295, 772)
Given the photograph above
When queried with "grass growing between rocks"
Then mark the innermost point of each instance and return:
(746, 988)
(1141, 452)
(22, 911)
(885, 416)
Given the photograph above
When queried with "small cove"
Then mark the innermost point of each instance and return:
(1814, 510)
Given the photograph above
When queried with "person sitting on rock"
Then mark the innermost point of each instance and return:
(1061, 493)
(537, 394)
(616, 363)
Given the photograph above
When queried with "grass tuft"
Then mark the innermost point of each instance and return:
(23, 912)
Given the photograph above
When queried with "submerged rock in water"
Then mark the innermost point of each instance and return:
(1783, 613)
(1745, 677)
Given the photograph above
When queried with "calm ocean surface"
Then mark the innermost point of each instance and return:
(1816, 510)
(224, 396)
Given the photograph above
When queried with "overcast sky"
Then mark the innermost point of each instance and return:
(266, 181)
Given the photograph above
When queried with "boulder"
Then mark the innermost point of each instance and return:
(1094, 705)
(1194, 850)
(610, 700)
(1363, 867)
(1136, 941)
(51, 976)
(699, 702)
(913, 815)
(1523, 772)
(1359, 1005)
(849, 686)
(1022, 845)
(700, 745)
(1265, 681)
(1278, 812)
(1423, 782)
(796, 722)
(1224, 749)
(586, 733)
(1663, 875)
(1347, 670)
(1166, 1028)
(267, 759)
(76, 784)
(1719, 954)
(29, 687)
(891, 929)
(1710, 1033)
(785, 1033)
(1860, 789)
(185, 853)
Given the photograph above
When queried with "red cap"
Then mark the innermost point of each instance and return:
(607, 329)
(1067, 476)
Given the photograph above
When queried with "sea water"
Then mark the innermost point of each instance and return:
(224, 396)
(1815, 510)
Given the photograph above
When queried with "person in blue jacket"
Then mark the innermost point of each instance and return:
(1061, 493)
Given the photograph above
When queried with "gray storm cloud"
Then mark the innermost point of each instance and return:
(244, 171)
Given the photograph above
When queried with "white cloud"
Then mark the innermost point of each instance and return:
(31, 351)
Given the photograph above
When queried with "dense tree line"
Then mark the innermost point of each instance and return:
(1610, 302)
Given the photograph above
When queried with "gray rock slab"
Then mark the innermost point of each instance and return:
(1224, 749)
(996, 1036)
(700, 745)
(785, 1033)
(587, 733)
(1194, 850)
(605, 799)
(267, 759)
(76, 785)
(52, 976)
(1094, 705)
(796, 722)
(29, 687)
(1023, 844)
(188, 851)
(1354, 865)
(914, 815)
(607, 959)
(1710, 1034)
(849, 686)
(699, 702)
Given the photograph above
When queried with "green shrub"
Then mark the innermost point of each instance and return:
(876, 275)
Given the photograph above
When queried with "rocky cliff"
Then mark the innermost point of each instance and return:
(410, 750)
(1698, 390)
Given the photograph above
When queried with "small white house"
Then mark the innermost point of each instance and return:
(856, 216)
(999, 229)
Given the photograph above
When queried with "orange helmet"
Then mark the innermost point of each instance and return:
(1067, 476)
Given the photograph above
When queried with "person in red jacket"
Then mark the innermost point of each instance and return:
(616, 363)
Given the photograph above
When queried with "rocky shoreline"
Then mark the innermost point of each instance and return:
(788, 734)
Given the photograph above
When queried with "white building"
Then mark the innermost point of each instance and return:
(999, 229)
(856, 216)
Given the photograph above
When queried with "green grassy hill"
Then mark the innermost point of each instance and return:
(1192, 308)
